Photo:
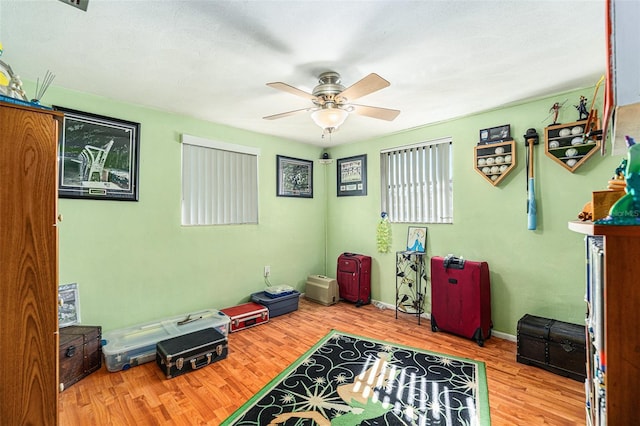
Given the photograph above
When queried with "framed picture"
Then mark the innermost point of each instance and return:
(295, 177)
(417, 239)
(68, 305)
(495, 134)
(98, 157)
(352, 176)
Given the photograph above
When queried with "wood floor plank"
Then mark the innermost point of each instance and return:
(518, 394)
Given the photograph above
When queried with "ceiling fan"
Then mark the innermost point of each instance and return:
(332, 101)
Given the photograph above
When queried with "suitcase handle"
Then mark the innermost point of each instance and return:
(249, 320)
(206, 359)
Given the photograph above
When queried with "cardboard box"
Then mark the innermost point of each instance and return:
(601, 202)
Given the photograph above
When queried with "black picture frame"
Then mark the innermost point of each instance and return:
(98, 157)
(352, 176)
(495, 134)
(294, 177)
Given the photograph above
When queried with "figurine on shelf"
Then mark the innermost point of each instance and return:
(626, 211)
(5, 76)
(583, 113)
(554, 110)
(10, 83)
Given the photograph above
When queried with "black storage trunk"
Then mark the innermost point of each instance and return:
(191, 351)
(553, 345)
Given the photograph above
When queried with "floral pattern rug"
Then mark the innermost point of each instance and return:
(350, 380)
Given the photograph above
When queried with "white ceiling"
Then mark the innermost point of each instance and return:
(212, 59)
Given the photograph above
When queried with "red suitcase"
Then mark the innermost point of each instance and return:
(246, 315)
(461, 298)
(354, 278)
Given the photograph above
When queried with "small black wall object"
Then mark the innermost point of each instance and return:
(531, 134)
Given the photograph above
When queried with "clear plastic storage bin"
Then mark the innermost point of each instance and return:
(128, 347)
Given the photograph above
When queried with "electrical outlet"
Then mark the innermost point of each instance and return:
(267, 271)
(80, 4)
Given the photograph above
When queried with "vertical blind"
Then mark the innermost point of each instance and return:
(219, 183)
(417, 182)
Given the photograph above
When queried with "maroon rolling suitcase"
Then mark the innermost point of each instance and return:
(461, 298)
(354, 278)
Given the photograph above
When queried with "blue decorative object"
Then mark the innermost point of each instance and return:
(16, 101)
(626, 211)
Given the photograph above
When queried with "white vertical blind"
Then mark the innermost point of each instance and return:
(417, 182)
(219, 186)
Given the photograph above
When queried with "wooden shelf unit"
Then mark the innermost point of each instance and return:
(495, 161)
(621, 319)
(29, 256)
(560, 139)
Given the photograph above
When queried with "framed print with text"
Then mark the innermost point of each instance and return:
(352, 176)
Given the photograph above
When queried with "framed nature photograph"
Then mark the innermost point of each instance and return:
(417, 239)
(98, 157)
(294, 177)
(352, 176)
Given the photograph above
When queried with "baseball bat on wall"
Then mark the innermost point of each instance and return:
(531, 138)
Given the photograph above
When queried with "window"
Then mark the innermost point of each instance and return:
(219, 182)
(417, 182)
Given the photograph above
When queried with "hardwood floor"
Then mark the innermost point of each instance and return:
(518, 394)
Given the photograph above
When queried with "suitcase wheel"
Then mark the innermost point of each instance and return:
(477, 336)
(434, 326)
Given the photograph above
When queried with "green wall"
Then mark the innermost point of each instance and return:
(539, 272)
(134, 262)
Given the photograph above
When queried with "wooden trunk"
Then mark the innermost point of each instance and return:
(80, 353)
(556, 346)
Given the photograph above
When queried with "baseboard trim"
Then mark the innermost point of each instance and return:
(427, 315)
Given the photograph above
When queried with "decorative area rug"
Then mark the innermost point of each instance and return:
(349, 380)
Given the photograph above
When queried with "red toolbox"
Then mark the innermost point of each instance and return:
(461, 298)
(246, 315)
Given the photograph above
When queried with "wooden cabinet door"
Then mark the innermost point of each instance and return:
(28, 266)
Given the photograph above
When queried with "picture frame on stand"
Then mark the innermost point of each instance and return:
(417, 239)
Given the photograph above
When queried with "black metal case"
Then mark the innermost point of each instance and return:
(191, 351)
(553, 345)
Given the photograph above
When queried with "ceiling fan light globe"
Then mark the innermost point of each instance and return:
(329, 118)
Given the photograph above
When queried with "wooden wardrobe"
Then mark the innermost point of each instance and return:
(28, 265)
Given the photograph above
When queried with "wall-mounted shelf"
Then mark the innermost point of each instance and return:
(566, 145)
(495, 161)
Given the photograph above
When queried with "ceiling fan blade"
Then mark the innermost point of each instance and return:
(371, 83)
(290, 89)
(287, 114)
(376, 112)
